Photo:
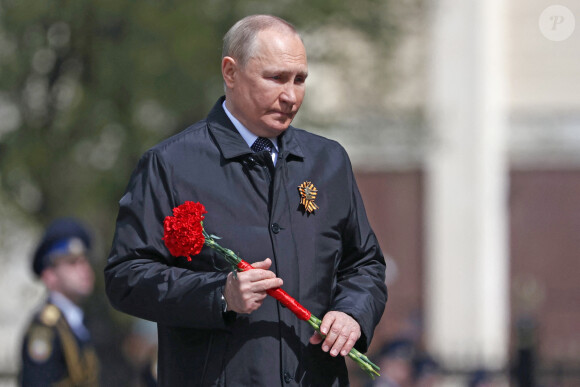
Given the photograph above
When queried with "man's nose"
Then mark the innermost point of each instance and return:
(288, 94)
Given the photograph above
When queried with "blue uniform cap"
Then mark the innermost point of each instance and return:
(62, 237)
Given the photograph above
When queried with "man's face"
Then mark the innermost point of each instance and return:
(267, 92)
(72, 276)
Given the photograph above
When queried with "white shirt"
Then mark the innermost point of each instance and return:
(72, 313)
(250, 137)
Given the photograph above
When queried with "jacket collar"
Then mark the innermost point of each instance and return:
(231, 143)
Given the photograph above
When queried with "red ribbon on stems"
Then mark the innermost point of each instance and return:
(285, 299)
(184, 236)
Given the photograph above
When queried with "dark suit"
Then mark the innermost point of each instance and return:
(329, 259)
(52, 355)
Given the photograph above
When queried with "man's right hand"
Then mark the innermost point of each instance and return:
(246, 293)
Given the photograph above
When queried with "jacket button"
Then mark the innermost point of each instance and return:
(287, 377)
(275, 228)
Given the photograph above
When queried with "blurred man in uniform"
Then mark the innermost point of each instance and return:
(396, 363)
(57, 349)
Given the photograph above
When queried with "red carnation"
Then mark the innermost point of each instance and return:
(184, 230)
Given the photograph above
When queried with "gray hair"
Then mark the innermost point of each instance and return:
(240, 40)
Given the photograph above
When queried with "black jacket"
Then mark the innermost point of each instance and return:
(329, 259)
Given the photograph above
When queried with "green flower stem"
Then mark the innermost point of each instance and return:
(369, 367)
(228, 254)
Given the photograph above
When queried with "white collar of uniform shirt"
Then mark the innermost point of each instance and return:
(72, 313)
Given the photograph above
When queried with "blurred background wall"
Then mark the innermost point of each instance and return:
(462, 120)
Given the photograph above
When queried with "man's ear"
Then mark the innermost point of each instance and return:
(229, 70)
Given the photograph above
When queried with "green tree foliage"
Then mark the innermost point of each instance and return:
(87, 86)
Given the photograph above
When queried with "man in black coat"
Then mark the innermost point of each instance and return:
(285, 200)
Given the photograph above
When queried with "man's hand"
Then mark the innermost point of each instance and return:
(341, 331)
(246, 293)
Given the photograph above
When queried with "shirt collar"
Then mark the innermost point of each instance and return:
(72, 313)
(231, 143)
(248, 136)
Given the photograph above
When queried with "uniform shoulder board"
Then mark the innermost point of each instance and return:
(49, 315)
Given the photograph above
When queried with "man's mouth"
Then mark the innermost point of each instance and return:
(289, 115)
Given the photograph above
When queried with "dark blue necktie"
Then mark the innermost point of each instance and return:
(262, 144)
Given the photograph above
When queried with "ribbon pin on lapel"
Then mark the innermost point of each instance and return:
(307, 195)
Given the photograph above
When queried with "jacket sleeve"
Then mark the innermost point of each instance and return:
(141, 277)
(361, 291)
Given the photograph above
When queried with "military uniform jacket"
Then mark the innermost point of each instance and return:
(329, 259)
(53, 356)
